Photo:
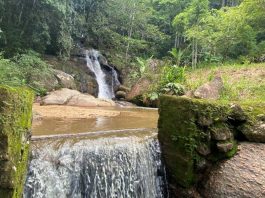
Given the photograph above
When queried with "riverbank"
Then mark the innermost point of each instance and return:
(241, 82)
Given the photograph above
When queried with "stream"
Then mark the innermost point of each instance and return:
(100, 157)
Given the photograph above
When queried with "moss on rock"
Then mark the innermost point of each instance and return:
(195, 133)
(15, 124)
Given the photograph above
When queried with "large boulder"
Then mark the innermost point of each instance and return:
(136, 95)
(210, 90)
(74, 98)
(59, 97)
(256, 133)
(120, 94)
(139, 88)
(65, 80)
(84, 100)
(241, 176)
(124, 88)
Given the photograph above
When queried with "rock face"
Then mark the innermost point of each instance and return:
(241, 176)
(193, 131)
(59, 97)
(83, 100)
(210, 90)
(120, 94)
(136, 94)
(254, 128)
(138, 89)
(15, 124)
(196, 135)
(65, 80)
(74, 98)
(256, 133)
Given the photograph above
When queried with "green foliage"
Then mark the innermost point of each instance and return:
(172, 74)
(25, 70)
(177, 54)
(169, 82)
(143, 65)
(206, 31)
(153, 96)
(173, 89)
(228, 33)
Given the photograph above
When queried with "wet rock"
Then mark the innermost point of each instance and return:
(123, 88)
(90, 88)
(225, 147)
(65, 80)
(210, 90)
(120, 94)
(240, 176)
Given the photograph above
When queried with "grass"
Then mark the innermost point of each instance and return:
(241, 82)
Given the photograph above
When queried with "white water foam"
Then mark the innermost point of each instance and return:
(105, 91)
(120, 167)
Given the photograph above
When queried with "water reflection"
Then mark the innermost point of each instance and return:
(127, 119)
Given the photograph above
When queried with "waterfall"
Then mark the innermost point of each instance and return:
(105, 91)
(119, 167)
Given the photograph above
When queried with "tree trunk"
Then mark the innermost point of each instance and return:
(193, 54)
(130, 32)
(223, 3)
(196, 52)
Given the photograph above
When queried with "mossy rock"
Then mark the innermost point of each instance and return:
(193, 131)
(15, 124)
(184, 125)
(196, 134)
(254, 128)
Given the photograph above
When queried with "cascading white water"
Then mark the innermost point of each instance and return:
(105, 91)
(124, 167)
(115, 79)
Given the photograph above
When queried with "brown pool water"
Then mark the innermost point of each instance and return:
(126, 118)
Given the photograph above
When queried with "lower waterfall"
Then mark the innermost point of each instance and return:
(117, 167)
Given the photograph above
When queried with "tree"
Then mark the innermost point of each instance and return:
(190, 22)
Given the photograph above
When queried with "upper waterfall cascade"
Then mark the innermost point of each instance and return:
(124, 167)
(105, 90)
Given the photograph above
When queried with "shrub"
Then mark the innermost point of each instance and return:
(25, 70)
(172, 74)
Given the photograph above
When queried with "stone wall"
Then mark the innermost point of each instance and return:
(196, 134)
(15, 124)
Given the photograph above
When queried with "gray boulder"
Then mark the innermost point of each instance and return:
(210, 90)
(65, 80)
(74, 98)
(240, 176)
